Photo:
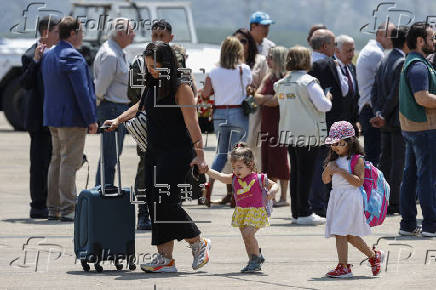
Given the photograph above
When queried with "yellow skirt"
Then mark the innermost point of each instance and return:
(251, 216)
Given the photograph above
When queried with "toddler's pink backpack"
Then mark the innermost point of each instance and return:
(375, 192)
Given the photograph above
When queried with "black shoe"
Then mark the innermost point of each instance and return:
(144, 223)
(38, 213)
(392, 210)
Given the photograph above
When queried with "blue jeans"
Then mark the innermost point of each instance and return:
(372, 139)
(231, 127)
(419, 178)
(107, 111)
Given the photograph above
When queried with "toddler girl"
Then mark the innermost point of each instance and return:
(251, 205)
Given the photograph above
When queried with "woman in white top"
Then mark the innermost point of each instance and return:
(259, 69)
(302, 128)
(228, 82)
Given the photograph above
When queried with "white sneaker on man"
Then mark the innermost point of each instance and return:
(200, 252)
(415, 232)
(160, 264)
(313, 219)
(428, 234)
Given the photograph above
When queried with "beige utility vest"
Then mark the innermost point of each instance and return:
(301, 124)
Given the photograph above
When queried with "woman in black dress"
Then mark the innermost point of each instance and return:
(174, 144)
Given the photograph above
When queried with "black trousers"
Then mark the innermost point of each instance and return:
(302, 162)
(164, 173)
(392, 164)
(372, 136)
(40, 156)
(320, 192)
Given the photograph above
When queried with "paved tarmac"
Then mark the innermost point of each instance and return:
(39, 254)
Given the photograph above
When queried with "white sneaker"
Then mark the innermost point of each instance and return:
(160, 264)
(415, 232)
(429, 234)
(200, 252)
(313, 219)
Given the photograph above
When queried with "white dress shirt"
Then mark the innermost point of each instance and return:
(345, 68)
(366, 69)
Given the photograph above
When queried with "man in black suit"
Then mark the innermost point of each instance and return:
(384, 97)
(344, 56)
(328, 72)
(40, 138)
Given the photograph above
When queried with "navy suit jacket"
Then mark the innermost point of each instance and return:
(385, 91)
(69, 98)
(343, 108)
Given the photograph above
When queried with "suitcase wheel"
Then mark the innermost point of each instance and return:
(119, 266)
(98, 268)
(132, 267)
(85, 265)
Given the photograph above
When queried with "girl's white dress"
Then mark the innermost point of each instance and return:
(345, 209)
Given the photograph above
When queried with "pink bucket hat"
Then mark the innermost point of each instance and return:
(339, 131)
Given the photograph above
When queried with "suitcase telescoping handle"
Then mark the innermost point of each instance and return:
(117, 150)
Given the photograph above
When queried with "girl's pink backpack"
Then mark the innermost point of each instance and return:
(375, 192)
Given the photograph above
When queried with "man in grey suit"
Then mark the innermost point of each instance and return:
(384, 98)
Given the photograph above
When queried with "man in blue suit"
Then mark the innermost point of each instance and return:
(69, 112)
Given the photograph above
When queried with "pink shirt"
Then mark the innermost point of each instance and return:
(248, 192)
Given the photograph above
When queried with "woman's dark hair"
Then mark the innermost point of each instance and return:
(312, 30)
(163, 54)
(250, 59)
(353, 149)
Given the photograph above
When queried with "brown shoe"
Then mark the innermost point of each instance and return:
(206, 195)
(225, 200)
(233, 202)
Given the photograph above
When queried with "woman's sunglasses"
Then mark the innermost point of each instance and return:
(243, 41)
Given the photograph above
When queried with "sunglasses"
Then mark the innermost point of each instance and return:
(243, 41)
(338, 144)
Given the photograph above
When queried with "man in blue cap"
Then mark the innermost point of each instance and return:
(259, 28)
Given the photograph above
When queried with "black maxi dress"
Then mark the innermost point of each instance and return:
(169, 153)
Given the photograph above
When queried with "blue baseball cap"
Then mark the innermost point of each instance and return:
(260, 18)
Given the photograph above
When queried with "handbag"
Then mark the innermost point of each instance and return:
(137, 127)
(248, 104)
(197, 181)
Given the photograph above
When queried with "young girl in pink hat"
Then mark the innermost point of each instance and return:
(345, 212)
